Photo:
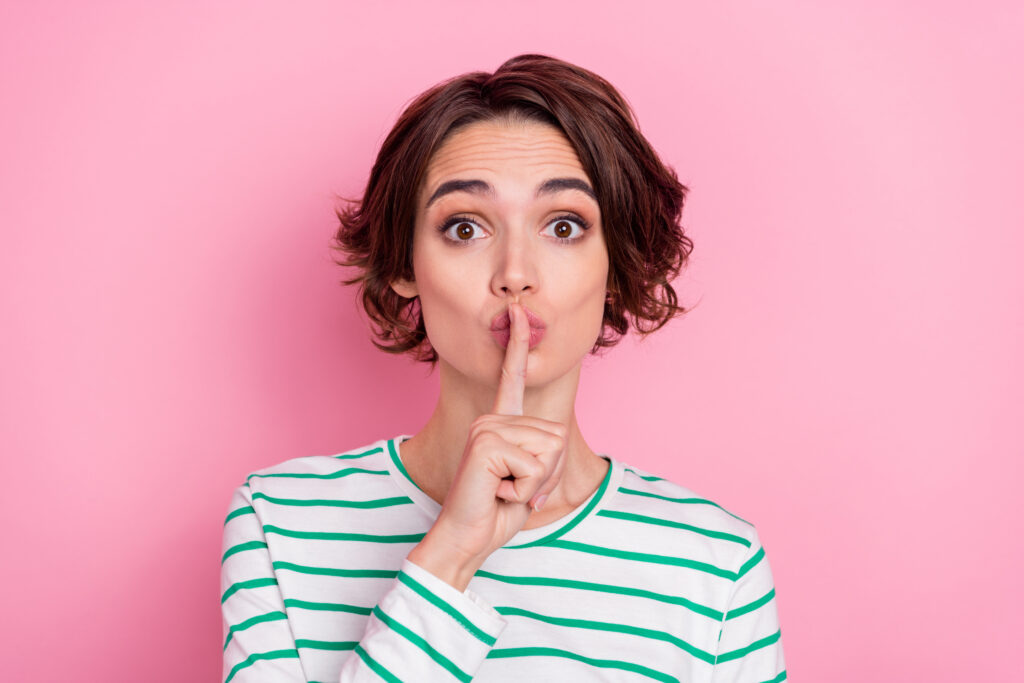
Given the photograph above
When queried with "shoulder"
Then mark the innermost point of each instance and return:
(693, 520)
(320, 472)
(670, 496)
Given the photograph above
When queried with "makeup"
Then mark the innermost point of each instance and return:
(501, 327)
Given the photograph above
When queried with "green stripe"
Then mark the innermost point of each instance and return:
(422, 644)
(602, 588)
(259, 619)
(317, 502)
(645, 557)
(343, 536)
(326, 644)
(252, 583)
(376, 666)
(603, 663)
(442, 604)
(647, 477)
(609, 626)
(749, 564)
(598, 495)
(743, 651)
(327, 606)
(332, 571)
(692, 501)
(740, 611)
(258, 656)
(248, 545)
(311, 475)
(398, 462)
(247, 510)
(348, 456)
(778, 679)
(675, 525)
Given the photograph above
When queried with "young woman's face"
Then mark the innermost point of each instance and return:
(506, 212)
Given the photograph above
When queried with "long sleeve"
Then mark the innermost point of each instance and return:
(422, 628)
(750, 640)
(258, 640)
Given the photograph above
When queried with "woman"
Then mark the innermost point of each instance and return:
(511, 220)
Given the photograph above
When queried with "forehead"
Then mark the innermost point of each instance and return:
(498, 147)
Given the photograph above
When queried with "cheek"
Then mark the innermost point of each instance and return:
(595, 308)
(599, 294)
(446, 315)
(587, 308)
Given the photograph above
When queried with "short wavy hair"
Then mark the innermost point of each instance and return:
(640, 198)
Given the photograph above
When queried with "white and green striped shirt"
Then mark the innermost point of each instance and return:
(644, 581)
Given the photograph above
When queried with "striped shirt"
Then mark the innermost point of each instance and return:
(644, 581)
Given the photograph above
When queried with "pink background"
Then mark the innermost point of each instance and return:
(850, 380)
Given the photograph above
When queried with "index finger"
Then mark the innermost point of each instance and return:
(512, 384)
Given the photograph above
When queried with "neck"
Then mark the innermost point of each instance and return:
(433, 455)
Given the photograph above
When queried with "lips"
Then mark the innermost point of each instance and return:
(502, 321)
(501, 328)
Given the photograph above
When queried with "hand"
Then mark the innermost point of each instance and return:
(509, 462)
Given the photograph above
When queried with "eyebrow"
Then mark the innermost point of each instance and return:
(549, 186)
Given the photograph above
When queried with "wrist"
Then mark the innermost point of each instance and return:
(444, 561)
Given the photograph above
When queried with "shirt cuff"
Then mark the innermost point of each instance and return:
(470, 610)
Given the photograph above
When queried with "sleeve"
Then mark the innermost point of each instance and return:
(258, 640)
(422, 628)
(750, 640)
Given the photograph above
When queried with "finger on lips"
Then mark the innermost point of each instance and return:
(512, 386)
(513, 371)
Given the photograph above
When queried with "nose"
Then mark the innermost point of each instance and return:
(515, 271)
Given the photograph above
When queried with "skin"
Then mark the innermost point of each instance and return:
(513, 255)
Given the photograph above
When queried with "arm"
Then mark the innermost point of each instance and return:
(750, 640)
(258, 640)
(422, 629)
(425, 629)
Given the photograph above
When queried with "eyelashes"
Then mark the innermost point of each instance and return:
(457, 219)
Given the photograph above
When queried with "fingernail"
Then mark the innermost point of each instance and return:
(539, 503)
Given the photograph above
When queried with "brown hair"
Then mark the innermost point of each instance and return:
(640, 198)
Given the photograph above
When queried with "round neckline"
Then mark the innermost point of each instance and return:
(524, 537)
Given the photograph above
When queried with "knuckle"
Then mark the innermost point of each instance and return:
(557, 442)
(537, 469)
(487, 438)
(558, 428)
(485, 424)
(509, 374)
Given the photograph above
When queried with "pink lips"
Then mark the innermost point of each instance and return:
(501, 327)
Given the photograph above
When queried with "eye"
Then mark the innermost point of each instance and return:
(563, 227)
(459, 229)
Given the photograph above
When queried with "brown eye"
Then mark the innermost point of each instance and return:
(461, 231)
(562, 228)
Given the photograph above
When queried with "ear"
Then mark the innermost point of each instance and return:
(405, 288)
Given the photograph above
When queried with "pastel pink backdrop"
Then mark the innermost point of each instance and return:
(850, 379)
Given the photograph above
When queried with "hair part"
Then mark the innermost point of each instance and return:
(640, 198)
